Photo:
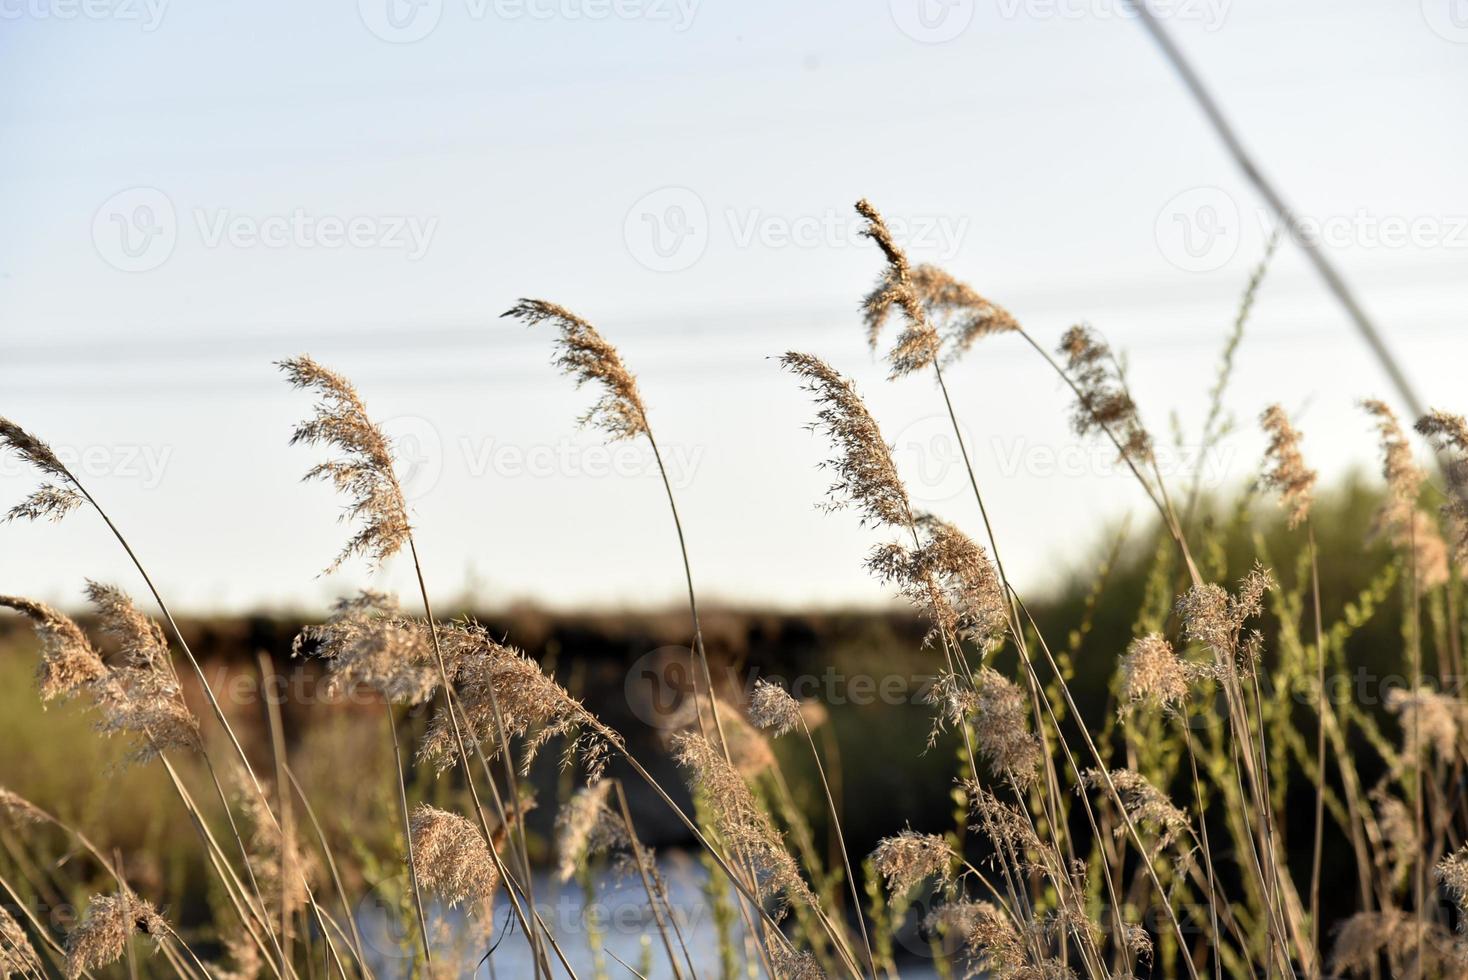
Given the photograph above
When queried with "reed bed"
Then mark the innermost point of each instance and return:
(1156, 838)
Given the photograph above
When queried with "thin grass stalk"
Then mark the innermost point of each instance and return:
(331, 866)
(287, 824)
(639, 856)
(1207, 849)
(841, 844)
(1319, 849)
(401, 787)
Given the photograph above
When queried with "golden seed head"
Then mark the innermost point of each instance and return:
(1002, 731)
(17, 809)
(866, 477)
(585, 355)
(772, 708)
(1284, 467)
(367, 642)
(1148, 807)
(910, 858)
(451, 857)
(1399, 519)
(17, 956)
(69, 662)
(364, 470)
(101, 938)
(586, 826)
(918, 343)
(1103, 403)
(1449, 433)
(1152, 671)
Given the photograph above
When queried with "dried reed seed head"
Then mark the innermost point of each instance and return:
(1429, 719)
(747, 747)
(1398, 829)
(1003, 823)
(1399, 519)
(364, 470)
(957, 311)
(1148, 807)
(488, 675)
(742, 823)
(101, 938)
(772, 708)
(1284, 467)
(866, 477)
(33, 451)
(69, 662)
(142, 696)
(586, 356)
(1215, 619)
(910, 858)
(451, 857)
(987, 936)
(49, 502)
(244, 955)
(1449, 434)
(1002, 731)
(1103, 403)
(367, 642)
(955, 700)
(1452, 874)
(789, 963)
(17, 956)
(918, 343)
(1151, 671)
(285, 869)
(17, 810)
(586, 826)
(950, 578)
(1425, 948)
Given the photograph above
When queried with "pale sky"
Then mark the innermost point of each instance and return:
(194, 190)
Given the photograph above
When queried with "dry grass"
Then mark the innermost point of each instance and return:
(1153, 838)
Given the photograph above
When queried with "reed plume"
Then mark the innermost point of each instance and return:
(909, 858)
(1152, 672)
(69, 663)
(1285, 471)
(918, 343)
(1148, 806)
(585, 355)
(17, 956)
(452, 857)
(1103, 403)
(950, 579)
(740, 820)
(17, 810)
(100, 939)
(1429, 719)
(866, 477)
(987, 937)
(367, 642)
(49, 501)
(1399, 519)
(586, 826)
(487, 674)
(1002, 731)
(1449, 433)
(1216, 619)
(772, 708)
(363, 472)
(1424, 949)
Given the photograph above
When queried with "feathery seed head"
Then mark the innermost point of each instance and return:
(1003, 732)
(32, 450)
(957, 311)
(1148, 807)
(48, 502)
(1285, 470)
(1449, 433)
(1429, 719)
(451, 857)
(101, 938)
(489, 675)
(1103, 403)
(917, 345)
(1214, 618)
(1399, 519)
(1452, 873)
(585, 355)
(772, 708)
(17, 810)
(69, 662)
(794, 964)
(367, 642)
(988, 938)
(364, 470)
(141, 696)
(866, 477)
(1152, 671)
(586, 826)
(740, 820)
(910, 858)
(17, 956)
